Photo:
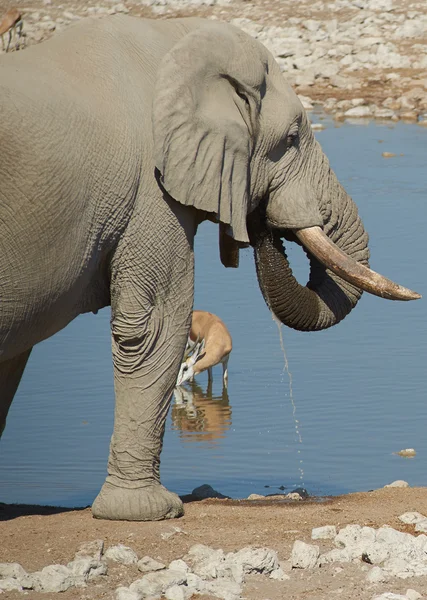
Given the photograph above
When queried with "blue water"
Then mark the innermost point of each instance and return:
(358, 389)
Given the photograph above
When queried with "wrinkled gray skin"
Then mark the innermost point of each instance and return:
(87, 221)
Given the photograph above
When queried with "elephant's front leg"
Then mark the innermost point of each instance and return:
(151, 316)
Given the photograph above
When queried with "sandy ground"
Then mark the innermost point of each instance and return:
(37, 536)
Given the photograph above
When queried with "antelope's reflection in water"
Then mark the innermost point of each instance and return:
(200, 416)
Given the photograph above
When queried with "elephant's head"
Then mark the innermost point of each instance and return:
(231, 138)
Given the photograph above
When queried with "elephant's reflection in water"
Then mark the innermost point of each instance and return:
(200, 416)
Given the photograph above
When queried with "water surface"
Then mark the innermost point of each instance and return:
(358, 389)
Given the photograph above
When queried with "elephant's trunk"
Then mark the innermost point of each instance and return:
(338, 260)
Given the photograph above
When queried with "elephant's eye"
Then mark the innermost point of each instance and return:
(291, 139)
(243, 96)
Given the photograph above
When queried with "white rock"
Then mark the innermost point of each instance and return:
(256, 497)
(175, 592)
(412, 594)
(341, 555)
(86, 569)
(148, 564)
(354, 535)
(327, 532)
(304, 556)
(279, 575)
(14, 570)
(124, 593)
(9, 584)
(399, 483)
(195, 582)
(390, 596)
(156, 583)
(358, 112)
(389, 535)
(412, 517)
(227, 590)
(398, 567)
(421, 526)
(293, 496)
(376, 575)
(179, 565)
(376, 552)
(121, 554)
(54, 578)
(255, 560)
(92, 549)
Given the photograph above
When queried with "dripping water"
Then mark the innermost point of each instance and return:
(291, 397)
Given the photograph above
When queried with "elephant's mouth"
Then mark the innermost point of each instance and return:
(336, 280)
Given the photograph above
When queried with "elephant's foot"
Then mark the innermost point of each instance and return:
(151, 503)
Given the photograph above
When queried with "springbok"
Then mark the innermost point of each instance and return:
(209, 344)
(11, 23)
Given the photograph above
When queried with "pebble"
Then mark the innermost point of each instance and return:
(389, 155)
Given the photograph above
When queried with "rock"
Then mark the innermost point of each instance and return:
(121, 554)
(358, 112)
(408, 518)
(168, 534)
(147, 564)
(376, 553)
(341, 555)
(315, 127)
(254, 560)
(421, 526)
(409, 116)
(376, 575)
(179, 565)
(354, 535)
(279, 575)
(306, 78)
(124, 593)
(256, 497)
(70, 16)
(390, 596)
(206, 491)
(388, 154)
(327, 532)
(175, 592)
(412, 594)
(54, 578)
(227, 590)
(12, 570)
(384, 113)
(293, 496)
(9, 584)
(304, 556)
(86, 569)
(157, 582)
(407, 452)
(92, 549)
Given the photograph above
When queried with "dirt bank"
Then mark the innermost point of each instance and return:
(36, 537)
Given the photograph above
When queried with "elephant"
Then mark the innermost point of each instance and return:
(118, 137)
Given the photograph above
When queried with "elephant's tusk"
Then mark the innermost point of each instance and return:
(330, 255)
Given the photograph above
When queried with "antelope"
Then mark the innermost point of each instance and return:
(209, 344)
(11, 23)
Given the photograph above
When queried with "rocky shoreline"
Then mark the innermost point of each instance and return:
(355, 58)
(380, 555)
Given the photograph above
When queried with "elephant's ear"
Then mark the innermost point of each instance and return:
(201, 126)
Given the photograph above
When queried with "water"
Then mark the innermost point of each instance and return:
(358, 389)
